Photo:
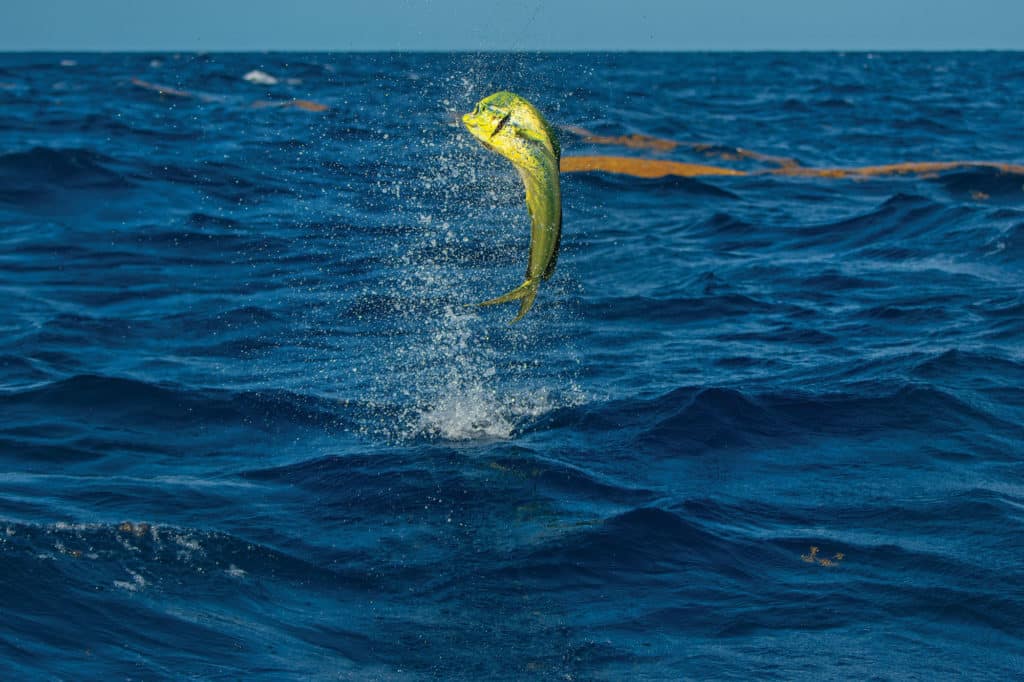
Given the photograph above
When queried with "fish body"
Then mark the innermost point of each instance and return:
(509, 125)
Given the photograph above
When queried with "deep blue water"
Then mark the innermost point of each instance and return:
(248, 428)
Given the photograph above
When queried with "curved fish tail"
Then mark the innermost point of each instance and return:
(525, 292)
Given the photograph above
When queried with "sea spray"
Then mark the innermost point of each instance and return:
(458, 373)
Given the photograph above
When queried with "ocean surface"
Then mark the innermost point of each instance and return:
(760, 426)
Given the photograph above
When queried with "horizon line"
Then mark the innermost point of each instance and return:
(755, 50)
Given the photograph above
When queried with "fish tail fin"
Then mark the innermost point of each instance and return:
(525, 293)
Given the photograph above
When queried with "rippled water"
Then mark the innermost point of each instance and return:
(250, 429)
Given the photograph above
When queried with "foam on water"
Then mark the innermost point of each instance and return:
(259, 77)
(464, 398)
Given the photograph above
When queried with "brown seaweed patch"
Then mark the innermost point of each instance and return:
(641, 168)
(576, 130)
(656, 168)
(309, 105)
(162, 89)
(737, 153)
(634, 141)
(922, 168)
(304, 104)
(639, 141)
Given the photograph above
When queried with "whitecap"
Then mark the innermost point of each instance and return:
(260, 77)
(235, 571)
(136, 583)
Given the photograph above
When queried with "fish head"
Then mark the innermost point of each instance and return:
(491, 121)
(505, 122)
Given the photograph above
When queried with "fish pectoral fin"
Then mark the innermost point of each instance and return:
(525, 292)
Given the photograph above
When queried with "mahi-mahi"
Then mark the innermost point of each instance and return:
(509, 125)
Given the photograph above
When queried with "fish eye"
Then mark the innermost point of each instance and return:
(501, 123)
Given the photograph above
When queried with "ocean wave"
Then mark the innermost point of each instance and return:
(900, 217)
(639, 543)
(1008, 246)
(966, 365)
(984, 184)
(676, 310)
(41, 171)
(697, 420)
(124, 400)
(17, 371)
(145, 574)
(640, 189)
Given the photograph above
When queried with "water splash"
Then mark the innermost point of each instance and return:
(464, 398)
(461, 374)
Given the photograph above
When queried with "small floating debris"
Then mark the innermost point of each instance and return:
(137, 529)
(815, 558)
(68, 62)
(260, 77)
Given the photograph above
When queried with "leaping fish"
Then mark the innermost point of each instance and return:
(509, 125)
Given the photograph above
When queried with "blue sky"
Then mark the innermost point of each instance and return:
(512, 25)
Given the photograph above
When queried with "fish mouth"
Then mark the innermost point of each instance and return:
(473, 125)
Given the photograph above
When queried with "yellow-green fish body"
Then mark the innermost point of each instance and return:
(509, 125)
